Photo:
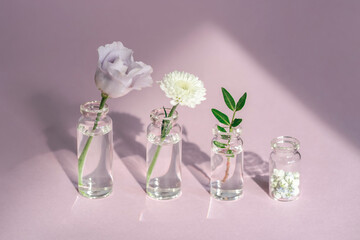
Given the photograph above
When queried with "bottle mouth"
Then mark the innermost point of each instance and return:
(158, 114)
(285, 143)
(236, 131)
(92, 107)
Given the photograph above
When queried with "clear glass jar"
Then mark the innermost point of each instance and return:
(227, 165)
(163, 156)
(95, 148)
(284, 167)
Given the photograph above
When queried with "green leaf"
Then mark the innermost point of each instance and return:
(229, 100)
(240, 104)
(229, 152)
(221, 116)
(225, 137)
(219, 144)
(221, 129)
(165, 112)
(236, 122)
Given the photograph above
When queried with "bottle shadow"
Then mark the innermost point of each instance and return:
(55, 116)
(63, 146)
(131, 152)
(196, 161)
(256, 168)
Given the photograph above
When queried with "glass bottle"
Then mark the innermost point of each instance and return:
(284, 169)
(227, 165)
(95, 143)
(163, 155)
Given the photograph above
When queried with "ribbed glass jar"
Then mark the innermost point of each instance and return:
(95, 148)
(227, 165)
(163, 156)
(284, 167)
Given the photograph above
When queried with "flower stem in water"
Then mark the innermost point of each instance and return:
(82, 157)
(227, 170)
(165, 129)
(228, 159)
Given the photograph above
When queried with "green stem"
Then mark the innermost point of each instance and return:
(228, 158)
(152, 164)
(164, 132)
(232, 120)
(82, 157)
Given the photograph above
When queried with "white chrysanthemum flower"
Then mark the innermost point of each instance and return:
(183, 88)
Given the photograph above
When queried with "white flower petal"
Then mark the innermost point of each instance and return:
(277, 195)
(113, 88)
(289, 178)
(295, 191)
(183, 88)
(283, 183)
(296, 183)
(103, 51)
(117, 69)
(117, 73)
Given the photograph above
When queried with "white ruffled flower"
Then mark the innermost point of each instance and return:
(183, 88)
(117, 73)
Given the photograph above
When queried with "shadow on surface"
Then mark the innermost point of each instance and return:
(56, 116)
(307, 50)
(197, 161)
(63, 146)
(257, 169)
(131, 152)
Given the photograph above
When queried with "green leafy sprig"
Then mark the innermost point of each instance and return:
(225, 120)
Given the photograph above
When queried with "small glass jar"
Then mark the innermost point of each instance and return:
(227, 165)
(284, 169)
(163, 155)
(95, 151)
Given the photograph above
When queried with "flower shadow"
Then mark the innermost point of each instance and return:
(197, 161)
(56, 117)
(256, 168)
(131, 152)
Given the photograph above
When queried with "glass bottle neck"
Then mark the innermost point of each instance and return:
(222, 130)
(159, 115)
(92, 109)
(285, 144)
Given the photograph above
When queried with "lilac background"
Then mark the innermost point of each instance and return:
(298, 61)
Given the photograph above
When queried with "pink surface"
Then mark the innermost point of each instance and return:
(298, 61)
